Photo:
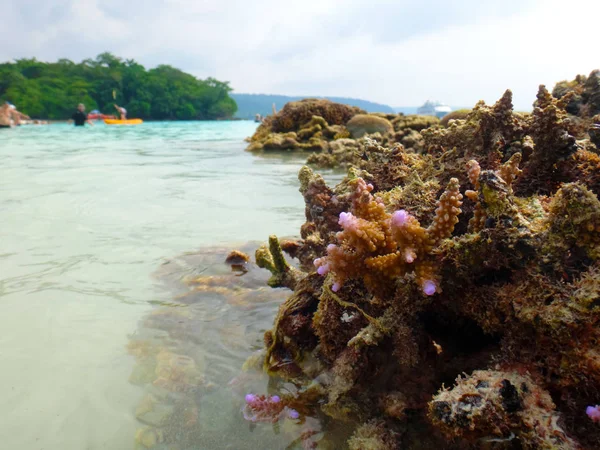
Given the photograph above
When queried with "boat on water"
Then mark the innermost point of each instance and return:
(434, 108)
(123, 122)
(97, 115)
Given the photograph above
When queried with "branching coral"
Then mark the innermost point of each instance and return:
(377, 246)
(272, 259)
(485, 198)
(263, 408)
(553, 145)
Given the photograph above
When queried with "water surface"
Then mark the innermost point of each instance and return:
(89, 218)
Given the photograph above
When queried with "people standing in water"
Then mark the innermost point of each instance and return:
(80, 117)
(122, 111)
(9, 116)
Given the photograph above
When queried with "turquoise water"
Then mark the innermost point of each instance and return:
(89, 217)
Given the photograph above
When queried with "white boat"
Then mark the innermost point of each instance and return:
(434, 108)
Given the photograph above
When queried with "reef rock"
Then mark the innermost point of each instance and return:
(491, 406)
(582, 94)
(362, 124)
(476, 254)
(304, 125)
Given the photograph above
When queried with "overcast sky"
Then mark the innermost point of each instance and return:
(396, 52)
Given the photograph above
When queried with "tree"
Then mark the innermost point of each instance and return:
(51, 90)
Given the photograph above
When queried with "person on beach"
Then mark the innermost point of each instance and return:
(122, 111)
(80, 117)
(9, 116)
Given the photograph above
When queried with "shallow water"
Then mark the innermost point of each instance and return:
(91, 217)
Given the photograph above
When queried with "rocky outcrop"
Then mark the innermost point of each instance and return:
(363, 124)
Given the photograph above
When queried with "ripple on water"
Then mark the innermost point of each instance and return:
(88, 214)
(188, 351)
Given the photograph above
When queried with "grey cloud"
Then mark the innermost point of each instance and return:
(392, 51)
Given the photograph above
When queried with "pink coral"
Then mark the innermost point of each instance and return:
(263, 408)
(593, 413)
(376, 246)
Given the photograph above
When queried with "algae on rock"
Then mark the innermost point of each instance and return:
(513, 302)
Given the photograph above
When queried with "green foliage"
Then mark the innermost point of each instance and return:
(53, 90)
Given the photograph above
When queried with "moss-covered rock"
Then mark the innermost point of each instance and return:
(296, 114)
(460, 114)
(306, 125)
(363, 124)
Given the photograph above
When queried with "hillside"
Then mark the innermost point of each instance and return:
(251, 104)
(53, 90)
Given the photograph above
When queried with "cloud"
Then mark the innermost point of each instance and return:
(394, 51)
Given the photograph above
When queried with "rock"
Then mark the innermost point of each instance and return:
(362, 124)
(336, 132)
(414, 122)
(412, 139)
(152, 412)
(149, 437)
(591, 93)
(594, 133)
(278, 141)
(459, 114)
(255, 147)
(237, 257)
(295, 115)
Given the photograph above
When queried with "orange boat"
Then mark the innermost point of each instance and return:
(123, 122)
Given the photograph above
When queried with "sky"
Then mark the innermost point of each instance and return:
(395, 52)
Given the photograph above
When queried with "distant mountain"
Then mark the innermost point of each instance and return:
(251, 104)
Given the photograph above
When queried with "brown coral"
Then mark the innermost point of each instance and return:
(377, 246)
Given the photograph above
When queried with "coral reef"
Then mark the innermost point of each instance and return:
(584, 92)
(180, 369)
(372, 436)
(377, 246)
(499, 406)
(262, 408)
(459, 114)
(336, 135)
(308, 125)
(406, 287)
(546, 139)
(362, 124)
(594, 132)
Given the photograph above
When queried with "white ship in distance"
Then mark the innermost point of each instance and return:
(434, 108)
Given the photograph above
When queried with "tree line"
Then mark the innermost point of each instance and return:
(53, 90)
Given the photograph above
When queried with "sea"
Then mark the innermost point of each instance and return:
(121, 326)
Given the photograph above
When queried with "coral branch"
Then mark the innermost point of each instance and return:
(272, 259)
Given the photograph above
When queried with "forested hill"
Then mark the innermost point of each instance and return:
(53, 90)
(251, 104)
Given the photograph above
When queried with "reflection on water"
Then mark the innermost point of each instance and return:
(189, 357)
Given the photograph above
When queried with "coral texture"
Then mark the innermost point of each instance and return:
(499, 406)
(305, 125)
(406, 288)
(362, 124)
